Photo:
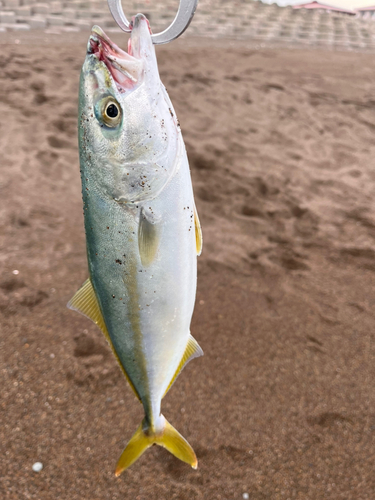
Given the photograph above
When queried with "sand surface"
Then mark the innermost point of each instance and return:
(281, 147)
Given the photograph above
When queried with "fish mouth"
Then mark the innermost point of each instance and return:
(126, 69)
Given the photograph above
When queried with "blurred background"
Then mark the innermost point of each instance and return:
(277, 109)
(335, 23)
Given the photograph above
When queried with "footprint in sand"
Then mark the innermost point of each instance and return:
(58, 143)
(14, 293)
(328, 419)
(252, 211)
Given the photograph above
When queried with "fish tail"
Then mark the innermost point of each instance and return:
(167, 437)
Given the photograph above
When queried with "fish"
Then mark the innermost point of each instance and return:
(143, 233)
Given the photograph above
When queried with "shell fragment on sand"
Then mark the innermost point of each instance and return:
(37, 466)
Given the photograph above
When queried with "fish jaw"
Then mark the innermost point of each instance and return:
(140, 46)
(126, 70)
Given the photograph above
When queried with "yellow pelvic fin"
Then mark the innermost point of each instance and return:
(148, 237)
(86, 303)
(198, 232)
(168, 437)
(193, 350)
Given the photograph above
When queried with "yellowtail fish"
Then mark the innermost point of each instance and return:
(142, 229)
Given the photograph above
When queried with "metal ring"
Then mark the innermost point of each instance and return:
(186, 11)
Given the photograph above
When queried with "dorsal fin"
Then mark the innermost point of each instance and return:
(193, 350)
(198, 232)
(86, 303)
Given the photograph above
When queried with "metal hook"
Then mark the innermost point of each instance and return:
(186, 11)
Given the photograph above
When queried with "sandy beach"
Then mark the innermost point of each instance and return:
(281, 149)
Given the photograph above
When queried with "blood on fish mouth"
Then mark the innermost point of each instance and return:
(124, 68)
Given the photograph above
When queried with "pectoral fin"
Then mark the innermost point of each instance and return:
(86, 303)
(193, 350)
(198, 232)
(148, 236)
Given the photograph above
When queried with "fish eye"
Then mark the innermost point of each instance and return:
(110, 111)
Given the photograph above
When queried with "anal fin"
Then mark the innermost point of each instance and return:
(193, 350)
(86, 303)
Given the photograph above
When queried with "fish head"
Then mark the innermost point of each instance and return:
(128, 132)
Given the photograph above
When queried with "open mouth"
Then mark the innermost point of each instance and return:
(125, 69)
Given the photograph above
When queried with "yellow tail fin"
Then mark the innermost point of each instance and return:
(168, 437)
